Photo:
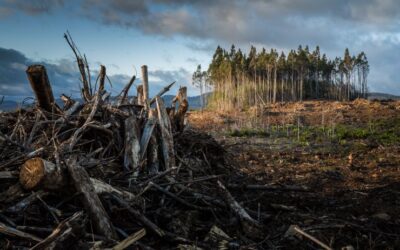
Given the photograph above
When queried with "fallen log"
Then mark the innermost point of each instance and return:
(91, 201)
(247, 222)
(166, 134)
(147, 133)
(38, 172)
(17, 233)
(132, 146)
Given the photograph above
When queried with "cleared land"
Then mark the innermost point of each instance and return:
(337, 165)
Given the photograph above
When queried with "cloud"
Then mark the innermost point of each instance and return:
(13, 81)
(160, 78)
(368, 25)
(31, 7)
(64, 77)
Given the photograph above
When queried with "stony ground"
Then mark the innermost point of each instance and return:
(338, 165)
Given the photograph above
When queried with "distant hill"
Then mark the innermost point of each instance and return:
(8, 105)
(382, 96)
(194, 102)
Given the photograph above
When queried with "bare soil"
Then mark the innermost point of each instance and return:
(338, 166)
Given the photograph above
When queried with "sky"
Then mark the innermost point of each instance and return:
(172, 37)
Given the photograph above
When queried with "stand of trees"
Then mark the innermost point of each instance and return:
(241, 80)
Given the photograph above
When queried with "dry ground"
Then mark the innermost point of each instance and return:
(341, 159)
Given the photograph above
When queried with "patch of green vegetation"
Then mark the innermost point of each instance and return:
(248, 132)
(385, 132)
(345, 132)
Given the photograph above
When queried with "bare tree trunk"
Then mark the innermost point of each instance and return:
(140, 98)
(145, 86)
(41, 87)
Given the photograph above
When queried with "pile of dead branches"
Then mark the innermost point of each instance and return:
(113, 172)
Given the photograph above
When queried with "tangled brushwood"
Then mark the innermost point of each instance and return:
(113, 172)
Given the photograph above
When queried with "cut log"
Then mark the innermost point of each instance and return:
(179, 116)
(153, 163)
(37, 172)
(166, 134)
(91, 201)
(132, 145)
(147, 133)
(140, 98)
(145, 80)
(40, 84)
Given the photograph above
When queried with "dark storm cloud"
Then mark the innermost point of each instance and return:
(32, 7)
(284, 24)
(247, 21)
(64, 76)
(13, 80)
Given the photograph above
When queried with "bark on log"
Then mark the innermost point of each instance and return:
(124, 93)
(132, 145)
(34, 174)
(91, 201)
(153, 163)
(68, 102)
(140, 98)
(166, 134)
(179, 116)
(145, 79)
(37, 172)
(147, 133)
(41, 87)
